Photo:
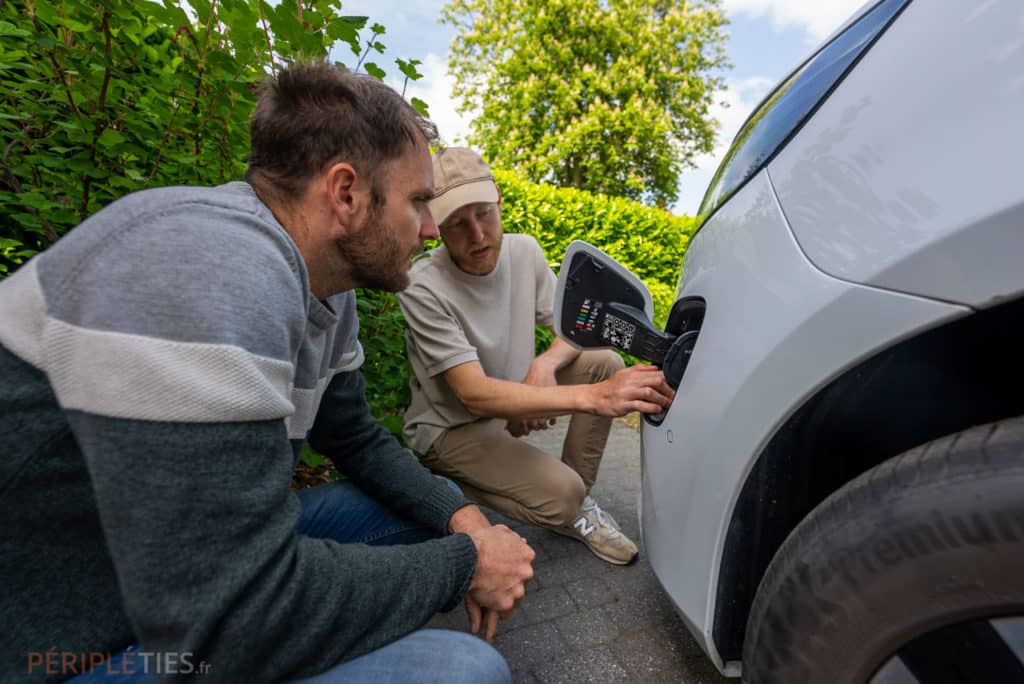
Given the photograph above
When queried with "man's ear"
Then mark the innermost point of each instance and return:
(499, 196)
(345, 195)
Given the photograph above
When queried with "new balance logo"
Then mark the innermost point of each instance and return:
(584, 527)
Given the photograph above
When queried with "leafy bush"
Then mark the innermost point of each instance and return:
(385, 366)
(97, 101)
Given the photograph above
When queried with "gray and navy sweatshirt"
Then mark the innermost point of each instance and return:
(160, 367)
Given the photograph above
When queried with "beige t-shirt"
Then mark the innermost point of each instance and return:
(455, 317)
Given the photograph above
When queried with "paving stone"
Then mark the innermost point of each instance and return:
(587, 628)
(523, 677)
(520, 618)
(635, 579)
(592, 666)
(540, 554)
(571, 569)
(557, 546)
(533, 533)
(526, 647)
(548, 603)
(646, 657)
(593, 592)
(635, 611)
(677, 636)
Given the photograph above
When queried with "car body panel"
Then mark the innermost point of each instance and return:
(906, 177)
(775, 330)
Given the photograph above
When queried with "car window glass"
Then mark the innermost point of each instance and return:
(781, 114)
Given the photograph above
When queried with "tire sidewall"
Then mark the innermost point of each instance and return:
(875, 567)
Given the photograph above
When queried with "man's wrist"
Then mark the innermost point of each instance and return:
(547, 362)
(467, 519)
(583, 399)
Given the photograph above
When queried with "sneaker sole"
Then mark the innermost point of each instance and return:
(606, 558)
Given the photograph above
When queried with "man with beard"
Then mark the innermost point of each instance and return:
(160, 369)
(471, 310)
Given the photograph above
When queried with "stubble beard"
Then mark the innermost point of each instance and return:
(376, 258)
(468, 265)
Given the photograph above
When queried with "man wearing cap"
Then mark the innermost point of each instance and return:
(471, 308)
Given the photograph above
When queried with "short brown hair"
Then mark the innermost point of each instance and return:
(314, 114)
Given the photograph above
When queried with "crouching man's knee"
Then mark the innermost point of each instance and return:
(428, 656)
(559, 500)
(605, 364)
(472, 660)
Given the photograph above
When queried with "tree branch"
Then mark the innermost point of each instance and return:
(60, 71)
(369, 44)
(99, 123)
(266, 32)
(11, 180)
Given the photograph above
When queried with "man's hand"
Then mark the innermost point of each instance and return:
(484, 619)
(470, 520)
(503, 567)
(541, 374)
(522, 427)
(637, 388)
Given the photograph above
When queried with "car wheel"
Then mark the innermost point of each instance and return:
(913, 572)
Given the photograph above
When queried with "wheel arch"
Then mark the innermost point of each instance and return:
(967, 372)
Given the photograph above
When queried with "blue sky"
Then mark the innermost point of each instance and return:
(767, 38)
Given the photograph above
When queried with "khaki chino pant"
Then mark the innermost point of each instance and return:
(518, 480)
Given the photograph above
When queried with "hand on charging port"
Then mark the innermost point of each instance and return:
(601, 305)
(638, 388)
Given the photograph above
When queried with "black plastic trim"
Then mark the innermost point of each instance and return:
(684, 322)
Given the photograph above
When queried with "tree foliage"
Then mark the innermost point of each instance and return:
(609, 96)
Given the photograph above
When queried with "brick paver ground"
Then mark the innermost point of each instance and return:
(584, 620)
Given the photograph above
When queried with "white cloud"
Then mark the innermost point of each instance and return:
(817, 17)
(435, 88)
(731, 109)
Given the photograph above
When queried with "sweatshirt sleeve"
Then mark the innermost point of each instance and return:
(347, 433)
(200, 523)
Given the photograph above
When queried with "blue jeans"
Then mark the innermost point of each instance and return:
(342, 512)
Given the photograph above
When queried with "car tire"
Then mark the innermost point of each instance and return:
(931, 538)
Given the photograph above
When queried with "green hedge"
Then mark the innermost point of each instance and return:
(648, 241)
(98, 100)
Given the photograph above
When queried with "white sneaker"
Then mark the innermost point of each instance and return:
(599, 531)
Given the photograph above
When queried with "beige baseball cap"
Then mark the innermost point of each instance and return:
(461, 177)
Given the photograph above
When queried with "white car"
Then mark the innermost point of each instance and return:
(837, 492)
